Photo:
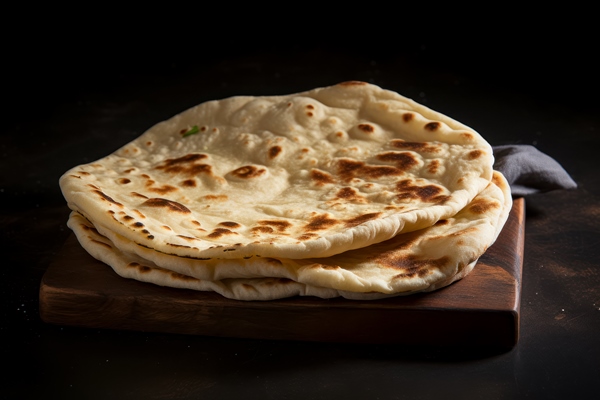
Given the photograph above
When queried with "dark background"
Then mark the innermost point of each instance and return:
(76, 89)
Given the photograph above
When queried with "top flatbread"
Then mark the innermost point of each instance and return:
(305, 175)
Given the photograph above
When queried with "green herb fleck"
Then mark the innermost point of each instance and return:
(193, 130)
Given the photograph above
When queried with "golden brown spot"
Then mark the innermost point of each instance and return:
(163, 189)
(188, 238)
(414, 146)
(138, 224)
(129, 170)
(310, 107)
(139, 214)
(411, 265)
(325, 267)
(186, 165)
(179, 245)
(307, 236)
(361, 219)
(349, 169)
(84, 173)
(278, 281)
(182, 277)
(467, 135)
(141, 268)
(393, 207)
(144, 269)
(320, 222)
(432, 126)
(90, 229)
(230, 224)
(346, 193)
(474, 154)
(412, 273)
(407, 117)
(427, 193)
(481, 206)
(433, 166)
(192, 170)
(248, 172)
(107, 198)
(497, 180)
(127, 218)
(219, 232)
(139, 195)
(166, 227)
(320, 177)
(262, 229)
(148, 143)
(402, 160)
(273, 261)
(281, 226)
(367, 128)
(170, 204)
(350, 194)
(217, 197)
(274, 151)
(310, 114)
(188, 183)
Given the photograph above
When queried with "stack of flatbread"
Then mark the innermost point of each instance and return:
(349, 190)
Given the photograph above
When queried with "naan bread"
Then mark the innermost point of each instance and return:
(418, 261)
(297, 176)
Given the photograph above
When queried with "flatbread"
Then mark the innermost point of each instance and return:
(417, 261)
(297, 176)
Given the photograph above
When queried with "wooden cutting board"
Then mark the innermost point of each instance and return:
(482, 309)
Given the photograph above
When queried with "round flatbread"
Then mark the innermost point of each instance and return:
(296, 176)
(418, 261)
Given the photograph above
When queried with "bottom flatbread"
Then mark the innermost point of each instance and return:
(419, 261)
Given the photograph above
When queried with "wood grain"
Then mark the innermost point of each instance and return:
(482, 309)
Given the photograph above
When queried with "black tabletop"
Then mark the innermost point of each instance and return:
(73, 103)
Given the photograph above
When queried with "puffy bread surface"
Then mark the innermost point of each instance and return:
(305, 175)
(418, 261)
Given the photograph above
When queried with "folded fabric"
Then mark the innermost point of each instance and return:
(529, 171)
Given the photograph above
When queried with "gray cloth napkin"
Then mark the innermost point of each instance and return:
(529, 171)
